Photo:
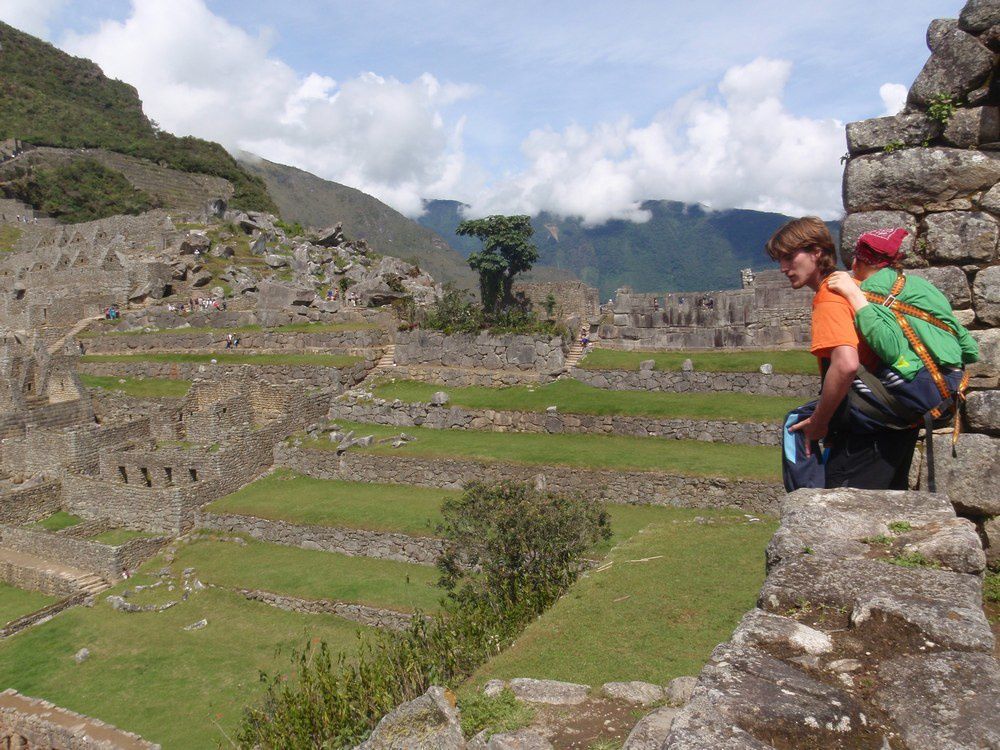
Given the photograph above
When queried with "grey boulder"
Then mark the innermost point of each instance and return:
(904, 129)
(961, 237)
(983, 411)
(643, 693)
(856, 224)
(986, 295)
(651, 730)
(958, 64)
(429, 722)
(952, 282)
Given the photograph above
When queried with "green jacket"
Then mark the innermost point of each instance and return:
(877, 324)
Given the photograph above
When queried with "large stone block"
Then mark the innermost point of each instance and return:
(905, 129)
(966, 476)
(988, 365)
(274, 295)
(856, 224)
(971, 126)
(958, 64)
(907, 180)
(961, 237)
(979, 15)
(952, 282)
(429, 722)
(983, 411)
(986, 295)
(990, 200)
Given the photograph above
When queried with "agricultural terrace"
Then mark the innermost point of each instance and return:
(229, 358)
(15, 602)
(684, 457)
(184, 329)
(574, 397)
(139, 387)
(788, 362)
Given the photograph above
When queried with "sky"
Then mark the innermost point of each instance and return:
(582, 108)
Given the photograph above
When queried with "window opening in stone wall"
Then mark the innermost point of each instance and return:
(194, 474)
(19, 294)
(145, 476)
(121, 470)
(169, 472)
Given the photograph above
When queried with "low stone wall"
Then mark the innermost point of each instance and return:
(623, 487)
(508, 352)
(33, 723)
(457, 377)
(20, 505)
(260, 341)
(371, 616)
(117, 408)
(158, 509)
(31, 578)
(457, 418)
(42, 615)
(755, 383)
(354, 542)
(846, 650)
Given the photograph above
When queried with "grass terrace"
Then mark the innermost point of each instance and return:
(286, 496)
(289, 328)
(653, 610)
(115, 537)
(614, 452)
(9, 235)
(574, 397)
(57, 521)
(789, 362)
(138, 387)
(229, 358)
(15, 602)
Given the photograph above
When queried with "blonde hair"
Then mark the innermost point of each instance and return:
(807, 233)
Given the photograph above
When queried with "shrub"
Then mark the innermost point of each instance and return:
(942, 107)
(502, 713)
(528, 546)
(456, 312)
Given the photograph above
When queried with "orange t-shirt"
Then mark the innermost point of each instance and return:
(833, 326)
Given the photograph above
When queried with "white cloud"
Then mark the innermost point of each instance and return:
(893, 97)
(738, 147)
(198, 74)
(32, 16)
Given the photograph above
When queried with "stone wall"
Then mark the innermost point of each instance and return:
(402, 414)
(845, 650)
(574, 299)
(93, 557)
(114, 408)
(28, 576)
(26, 504)
(354, 542)
(624, 487)
(508, 352)
(458, 377)
(177, 340)
(371, 616)
(32, 723)
(758, 384)
(163, 509)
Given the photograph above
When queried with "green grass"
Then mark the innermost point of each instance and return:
(58, 520)
(147, 675)
(574, 397)
(253, 328)
(297, 499)
(142, 388)
(688, 457)
(9, 235)
(114, 537)
(311, 574)
(229, 358)
(784, 361)
(656, 613)
(15, 602)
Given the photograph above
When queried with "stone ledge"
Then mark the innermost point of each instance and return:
(755, 383)
(375, 617)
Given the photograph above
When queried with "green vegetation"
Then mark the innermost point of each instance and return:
(115, 537)
(894, 145)
(942, 107)
(457, 312)
(146, 674)
(913, 560)
(586, 451)
(230, 358)
(139, 387)
(881, 539)
(900, 527)
(574, 397)
(653, 610)
(312, 574)
(506, 252)
(81, 190)
(15, 603)
(503, 713)
(991, 587)
(9, 235)
(784, 361)
(58, 521)
(286, 496)
(50, 98)
(289, 328)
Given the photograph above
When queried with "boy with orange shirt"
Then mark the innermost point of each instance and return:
(862, 453)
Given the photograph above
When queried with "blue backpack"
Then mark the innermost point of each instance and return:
(797, 469)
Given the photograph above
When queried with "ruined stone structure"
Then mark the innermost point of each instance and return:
(574, 300)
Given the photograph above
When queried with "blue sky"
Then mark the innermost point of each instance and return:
(582, 108)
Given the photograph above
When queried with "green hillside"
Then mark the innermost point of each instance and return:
(682, 247)
(49, 98)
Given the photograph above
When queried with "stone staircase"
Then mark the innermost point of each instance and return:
(387, 359)
(56, 346)
(91, 584)
(573, 356)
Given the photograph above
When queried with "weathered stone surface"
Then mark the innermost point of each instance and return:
(991, 535)
(983, 410)
(961, 237)
(276, 261)
(274, 295)
(643, 693)
(651, 730)
(971, 126)
(963, 477)
(549, 691)
(905, 129)
(440, 398)
(945, 700)
(958, 64)
(429, 722)
(952, 282)
(856, 224)
(979, 15)
(522, 739)
(702, 727)
(762, 629)
(989, 354)
(954, 544)
(986, 295)
(990, 200)
(907, 180)
(946, 607)
(331, 236)
(680, 689)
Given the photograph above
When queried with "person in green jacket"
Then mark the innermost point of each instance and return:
(877, 260)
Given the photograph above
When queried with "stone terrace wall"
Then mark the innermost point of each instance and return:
(346, 342)
(20, 505)
(94, 557)
(573, 299)
(457, 377)
(509, 352)
(758, 384)
(624, 487)
(114, 408)
(402, 414)
(30, 577)
(31, 723)
(847, 651)
(163, 509)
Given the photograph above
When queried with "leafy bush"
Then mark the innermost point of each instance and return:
(456, 312)
(528, 544)
(942, 107)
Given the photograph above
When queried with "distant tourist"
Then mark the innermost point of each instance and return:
(229, 340)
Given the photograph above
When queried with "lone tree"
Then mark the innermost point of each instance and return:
(506, 252)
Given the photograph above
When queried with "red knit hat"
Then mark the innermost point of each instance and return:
(880, 247)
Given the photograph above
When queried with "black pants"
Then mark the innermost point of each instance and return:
(878, 461)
